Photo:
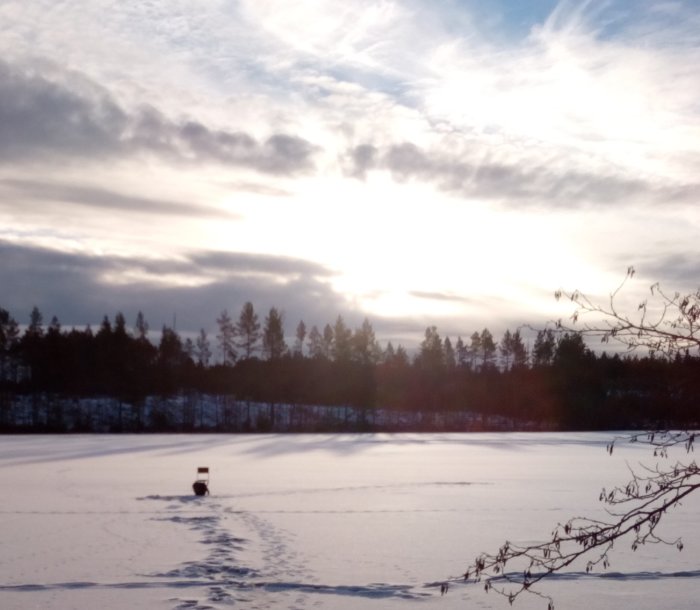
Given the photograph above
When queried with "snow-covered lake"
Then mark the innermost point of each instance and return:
(313, 521)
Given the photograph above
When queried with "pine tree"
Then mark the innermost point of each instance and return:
(543, 351)
(431, 354)
(315, 343)
(342, 341)
(327, 341)
(506, 349)
(9, 334)
(300, 336)
(274, 344)
(248, 330)
(389, 353)
(475, 349)
(364, 344)
(141, 326)
(448, 353)
(520, 355)
(202, 349)
(226, 338)
(488, 348)
(36, 321)
(461, 352)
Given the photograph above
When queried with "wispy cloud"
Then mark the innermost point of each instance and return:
(438, 296)
(41, 193)
(527, 182)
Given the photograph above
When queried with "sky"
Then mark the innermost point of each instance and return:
(415, 162)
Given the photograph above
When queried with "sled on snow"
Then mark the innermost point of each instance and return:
(201, 484)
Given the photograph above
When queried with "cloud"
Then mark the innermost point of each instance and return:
(677, 271)
(162, 107)
(39, 117)
(81, 288)
(245, 263)
(257, 189)
(360, 159)
(192, 141)
(100, 199)
(438, 296)
(592, 106)
(525, 182)
(68, 116)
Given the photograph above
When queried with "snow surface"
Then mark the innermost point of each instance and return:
(313, 521)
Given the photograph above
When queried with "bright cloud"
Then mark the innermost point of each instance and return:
(433, 162)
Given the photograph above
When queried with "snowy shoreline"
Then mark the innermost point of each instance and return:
(195, 412)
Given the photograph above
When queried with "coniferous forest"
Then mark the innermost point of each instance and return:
(334, 378)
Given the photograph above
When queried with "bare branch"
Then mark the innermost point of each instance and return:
(636, 510)
(666, 325)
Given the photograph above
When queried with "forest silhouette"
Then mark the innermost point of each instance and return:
(558, 384)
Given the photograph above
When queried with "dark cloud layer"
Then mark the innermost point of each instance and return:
(72, 117)
(259, 263)
(72, 287)
(39, 117)
(526, 183)
(673, 271)
(193, 141)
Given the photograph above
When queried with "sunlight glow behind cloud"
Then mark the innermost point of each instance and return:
(438, 161)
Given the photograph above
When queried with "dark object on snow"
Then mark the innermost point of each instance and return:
(201, 485)
(200, 488)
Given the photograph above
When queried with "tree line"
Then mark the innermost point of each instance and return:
(557, 383)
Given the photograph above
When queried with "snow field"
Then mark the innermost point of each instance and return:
(312, 521)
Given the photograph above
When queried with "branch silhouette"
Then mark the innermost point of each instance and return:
(635, 509)
(666, 326)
